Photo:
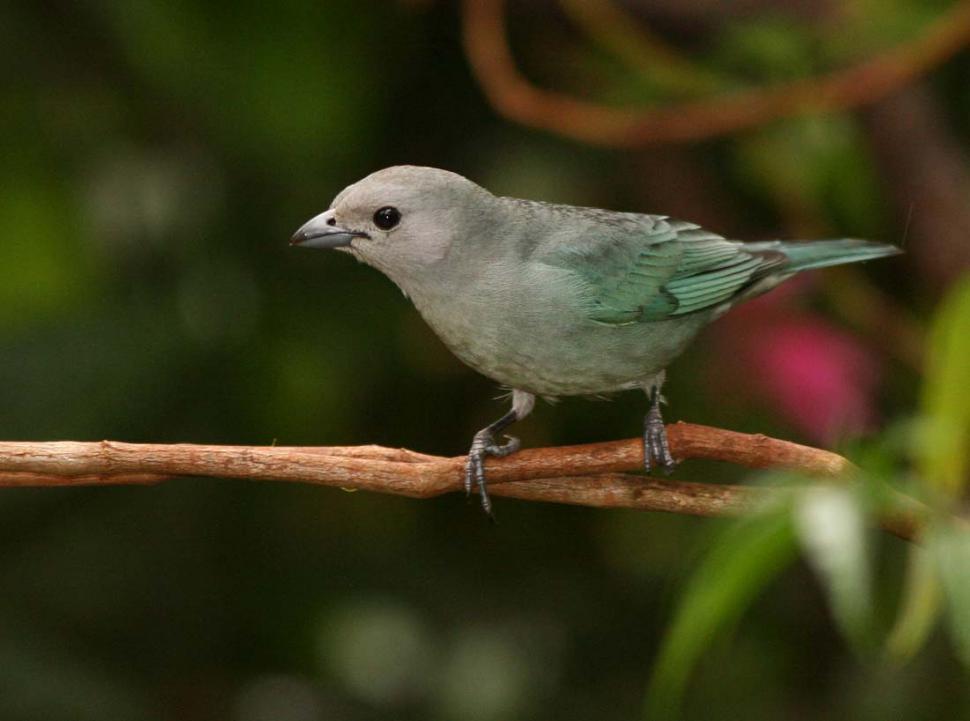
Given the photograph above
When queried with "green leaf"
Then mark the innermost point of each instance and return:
(742, 561)
(831, 526)
(950, 546)
(943, 448)
(920, 606)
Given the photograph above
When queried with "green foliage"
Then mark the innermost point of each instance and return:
(940, 572)
(831, 523)
(949, 545)
(943, 444)
(742, 560)
(274, 89)
(920, 607)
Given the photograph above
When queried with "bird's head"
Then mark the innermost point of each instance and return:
(402, 220)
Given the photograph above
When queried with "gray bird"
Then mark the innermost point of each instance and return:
(555, 300)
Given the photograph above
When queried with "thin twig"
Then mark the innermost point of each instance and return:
(596, 474)
(512, 95)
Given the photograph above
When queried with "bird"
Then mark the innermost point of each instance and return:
(555, 300)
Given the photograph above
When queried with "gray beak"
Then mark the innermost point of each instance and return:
(323, 232)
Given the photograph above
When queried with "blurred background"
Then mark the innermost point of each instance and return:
(154, 159)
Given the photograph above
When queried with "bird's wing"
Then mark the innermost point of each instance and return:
(661, 269)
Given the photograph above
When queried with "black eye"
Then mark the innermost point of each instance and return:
(387, 217)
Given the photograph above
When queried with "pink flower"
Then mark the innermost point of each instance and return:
(819, 378)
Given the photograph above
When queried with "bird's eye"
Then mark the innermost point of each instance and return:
(387, 217)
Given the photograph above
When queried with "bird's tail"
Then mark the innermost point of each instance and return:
(806, 255)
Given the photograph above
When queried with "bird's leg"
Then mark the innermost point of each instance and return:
(484, 445)
(655, 449)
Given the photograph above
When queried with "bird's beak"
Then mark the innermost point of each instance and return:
(323, 232)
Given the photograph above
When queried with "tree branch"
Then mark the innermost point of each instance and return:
(591, 475)
(513, 96)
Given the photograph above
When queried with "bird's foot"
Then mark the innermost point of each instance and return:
(656, 451)
(484, 445)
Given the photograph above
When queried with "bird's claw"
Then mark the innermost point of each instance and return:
(484, 445)
(656, 451)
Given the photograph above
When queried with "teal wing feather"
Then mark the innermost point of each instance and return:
(662, 269)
